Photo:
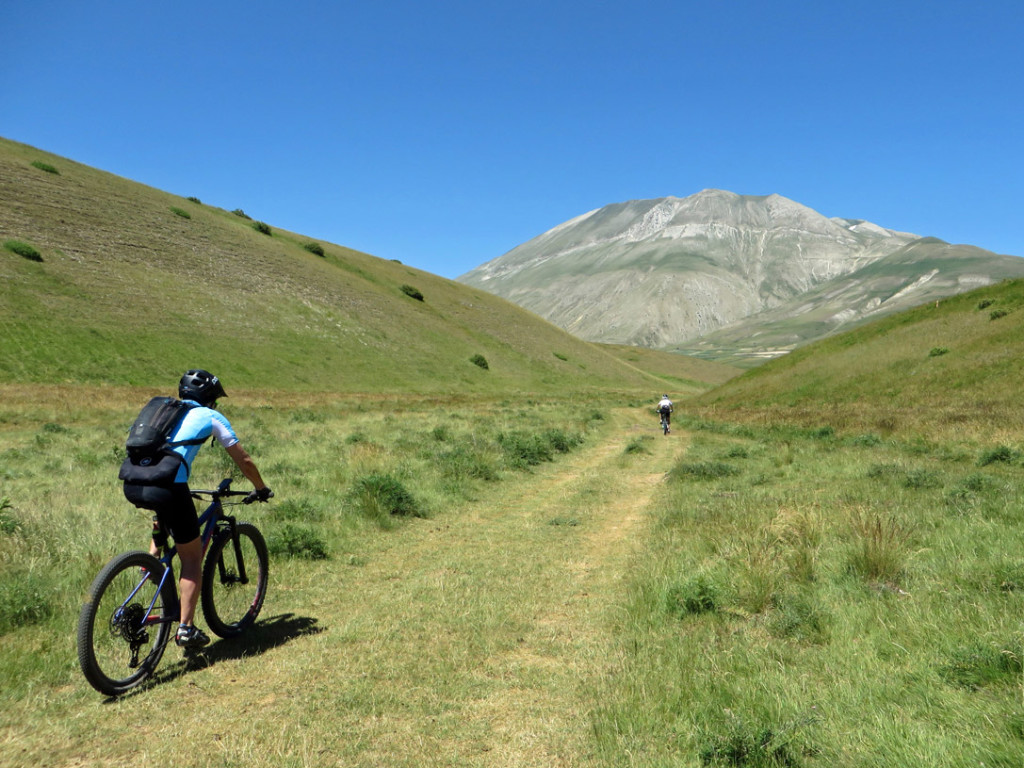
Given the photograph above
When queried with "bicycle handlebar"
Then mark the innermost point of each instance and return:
(223, 490)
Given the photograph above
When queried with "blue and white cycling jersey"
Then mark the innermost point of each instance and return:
(200, 423)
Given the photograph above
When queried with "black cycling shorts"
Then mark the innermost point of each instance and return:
(173, 506)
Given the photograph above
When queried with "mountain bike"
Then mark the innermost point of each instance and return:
(132, 606)
(665, 424)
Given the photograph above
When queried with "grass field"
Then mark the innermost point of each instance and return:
(571, 588)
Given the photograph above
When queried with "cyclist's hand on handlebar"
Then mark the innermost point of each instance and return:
(261, 494)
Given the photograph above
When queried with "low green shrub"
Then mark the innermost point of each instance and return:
(45, 167)
(314, 248)
(297, 541)
(698, 595)
(23, 249)
(241, 214)
(743, 745)
(195, 200)
(181, 212)
(479, 360)
(560, 440)
(1000, 454)
(381, 495)
(638, 445)
(462, 461)
(262, 227)
(997, 313)
(969, 494)
(526, 449)
(938, 351)
(414, 293)
(985, 303)
(9, 523)
(921, 479)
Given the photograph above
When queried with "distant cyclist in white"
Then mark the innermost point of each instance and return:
(665, 409)
(173, 503)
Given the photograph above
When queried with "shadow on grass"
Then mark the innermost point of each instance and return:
(262, 637)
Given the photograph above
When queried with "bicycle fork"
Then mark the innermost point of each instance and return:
(236, 544)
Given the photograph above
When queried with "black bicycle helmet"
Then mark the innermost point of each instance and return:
(201, 386)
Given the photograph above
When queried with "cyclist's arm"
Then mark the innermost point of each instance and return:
(245, 463)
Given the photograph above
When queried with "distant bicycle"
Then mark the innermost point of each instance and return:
(665, 424)
(132, 605)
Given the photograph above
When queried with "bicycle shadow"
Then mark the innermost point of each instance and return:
(264, 636)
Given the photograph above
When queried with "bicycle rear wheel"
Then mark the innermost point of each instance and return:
(120, 641)
(235, 580)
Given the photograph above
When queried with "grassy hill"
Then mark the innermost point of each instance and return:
(129, 285)
(943, 367)
(559, 591)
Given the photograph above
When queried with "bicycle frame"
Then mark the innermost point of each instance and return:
(208, 520)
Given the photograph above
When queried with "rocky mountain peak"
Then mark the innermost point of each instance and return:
(666, 271)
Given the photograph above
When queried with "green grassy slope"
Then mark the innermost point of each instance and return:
(926, 270)
(136, 284)
(947, 366)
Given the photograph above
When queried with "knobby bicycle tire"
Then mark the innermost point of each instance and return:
(116, 652)
(229, 604)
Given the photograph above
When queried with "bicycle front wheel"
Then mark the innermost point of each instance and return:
(235, 580)
(120, 639)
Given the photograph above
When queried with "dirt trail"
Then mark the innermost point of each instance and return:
(564, 544)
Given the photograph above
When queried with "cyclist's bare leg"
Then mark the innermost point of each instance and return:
(190, 582)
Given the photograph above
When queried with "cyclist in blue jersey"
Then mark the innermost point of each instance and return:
(173, 503)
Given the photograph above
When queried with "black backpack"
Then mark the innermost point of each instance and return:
(151, 459)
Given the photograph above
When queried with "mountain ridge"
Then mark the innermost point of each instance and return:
(666, 271)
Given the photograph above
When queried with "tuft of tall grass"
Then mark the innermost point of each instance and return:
(26, 597)
(801, 534)
(706, 470)
(700, 594)
(756, 743)
(980, 665)
(297, 541)
(380, 496)
(465, 461)
(800, 616)
(880, 549)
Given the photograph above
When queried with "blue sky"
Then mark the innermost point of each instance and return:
(444, 134)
